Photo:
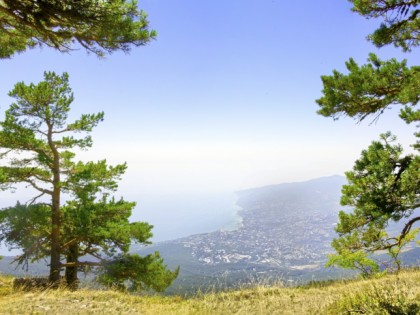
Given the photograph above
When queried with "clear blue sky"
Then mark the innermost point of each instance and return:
(224, 99)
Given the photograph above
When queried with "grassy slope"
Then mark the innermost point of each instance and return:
(401, 294)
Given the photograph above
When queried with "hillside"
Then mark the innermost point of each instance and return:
(285, 234)
(388, 295)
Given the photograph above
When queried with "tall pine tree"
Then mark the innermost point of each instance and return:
(35, 142)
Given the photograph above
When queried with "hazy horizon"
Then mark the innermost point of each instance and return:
(176, 215)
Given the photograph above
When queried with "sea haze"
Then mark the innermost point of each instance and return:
(179, 215)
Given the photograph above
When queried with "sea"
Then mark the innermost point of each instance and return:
(179, 215)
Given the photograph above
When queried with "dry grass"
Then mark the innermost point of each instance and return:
(339, 297)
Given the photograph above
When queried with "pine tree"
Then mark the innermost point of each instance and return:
(36, 141)
(384, 185)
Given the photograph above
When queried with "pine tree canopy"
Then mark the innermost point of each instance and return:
(401, 21)
(99, 26)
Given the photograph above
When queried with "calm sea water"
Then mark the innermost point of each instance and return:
(176, 216)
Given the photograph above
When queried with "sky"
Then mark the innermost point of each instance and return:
(224, 98)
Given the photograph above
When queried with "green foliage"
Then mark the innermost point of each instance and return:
(370, 89)
(26, 227)
(401, 21)
(141, 232)
(358, 260)
(383, 186)
(135, 273)
(98, 26)
(99, 227)
(40, 109)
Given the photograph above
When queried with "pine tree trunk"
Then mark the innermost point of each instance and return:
(55, 263)
(71, 272)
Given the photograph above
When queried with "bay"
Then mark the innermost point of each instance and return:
(180, 215)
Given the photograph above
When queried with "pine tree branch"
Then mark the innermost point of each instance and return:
(32, 201)
(43, 190)
(82, 263)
